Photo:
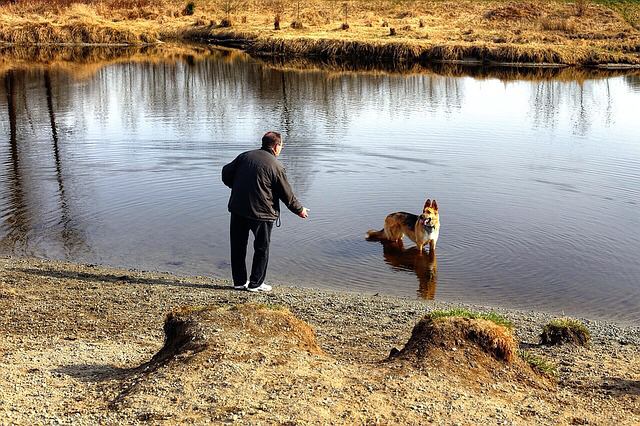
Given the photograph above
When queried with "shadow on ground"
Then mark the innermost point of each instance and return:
(84, 276)
(620, 386)
(528, 345)
(93, 373)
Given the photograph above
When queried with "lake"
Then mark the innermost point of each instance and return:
(537, 177)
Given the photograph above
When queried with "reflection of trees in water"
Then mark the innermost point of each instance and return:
(70, 236)
(441, 91)
(503, 73)
(15, 215)
(22, 213)
(230, 96)
(633, 81)
(585, 101)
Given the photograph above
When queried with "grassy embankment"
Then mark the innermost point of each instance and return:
(559, 32)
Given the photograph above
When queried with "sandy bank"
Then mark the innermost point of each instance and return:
(73, 335)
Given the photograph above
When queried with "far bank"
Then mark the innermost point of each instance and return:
(583, 33)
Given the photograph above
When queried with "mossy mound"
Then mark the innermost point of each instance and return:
(469, 347)
(190, 330)
(237, 347)
(480, 336)
(565, 330)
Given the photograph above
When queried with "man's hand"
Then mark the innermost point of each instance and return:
(304, 213)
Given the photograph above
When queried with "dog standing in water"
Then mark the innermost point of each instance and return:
(421, 229)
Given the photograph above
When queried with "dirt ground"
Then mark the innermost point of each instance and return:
(76, 341)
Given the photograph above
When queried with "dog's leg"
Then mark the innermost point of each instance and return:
(432, 246)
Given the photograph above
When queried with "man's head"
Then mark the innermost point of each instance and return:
(273, 142)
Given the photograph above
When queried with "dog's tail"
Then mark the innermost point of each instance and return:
(374, 235)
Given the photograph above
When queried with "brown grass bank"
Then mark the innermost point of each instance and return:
(541, 32)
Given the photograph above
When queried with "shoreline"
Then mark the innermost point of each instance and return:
(74, 336)
(406, 53)
(377, 54)
(602, 327)
(618, 327)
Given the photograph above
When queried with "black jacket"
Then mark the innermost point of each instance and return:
(257, 181)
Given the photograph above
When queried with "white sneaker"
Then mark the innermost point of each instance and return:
(241, 287)
(261, 287)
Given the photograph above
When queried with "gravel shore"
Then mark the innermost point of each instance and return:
(71, 333)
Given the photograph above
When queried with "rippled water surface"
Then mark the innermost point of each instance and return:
(538, 180)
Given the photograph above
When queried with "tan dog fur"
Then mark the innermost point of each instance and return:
(421, 229)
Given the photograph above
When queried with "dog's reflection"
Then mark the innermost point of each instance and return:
(411, 259)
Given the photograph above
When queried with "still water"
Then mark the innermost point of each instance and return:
(537, 179)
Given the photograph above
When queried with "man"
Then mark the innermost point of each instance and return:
(257, 181)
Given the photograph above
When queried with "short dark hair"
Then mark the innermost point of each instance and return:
(271, 139)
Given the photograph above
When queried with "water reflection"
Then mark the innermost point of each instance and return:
(24, 211)
(508, 73)
(423, 264)
(72, 238)
(14, 211)
(633, 81)
(589, 101)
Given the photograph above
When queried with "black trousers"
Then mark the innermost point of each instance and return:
(240, 227)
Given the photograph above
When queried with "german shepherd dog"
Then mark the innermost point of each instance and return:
(421, 229)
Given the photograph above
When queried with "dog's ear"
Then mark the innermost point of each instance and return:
(434, 205)
(427, 205)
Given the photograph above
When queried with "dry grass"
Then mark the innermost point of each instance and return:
(501, 31)
(557, 24)
(78, 24)
(629, 10)
(7, 292)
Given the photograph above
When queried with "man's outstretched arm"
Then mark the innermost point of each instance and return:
(285, 193)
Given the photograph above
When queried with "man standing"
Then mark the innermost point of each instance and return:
(257, 181)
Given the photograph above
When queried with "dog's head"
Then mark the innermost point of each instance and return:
(429, 217)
